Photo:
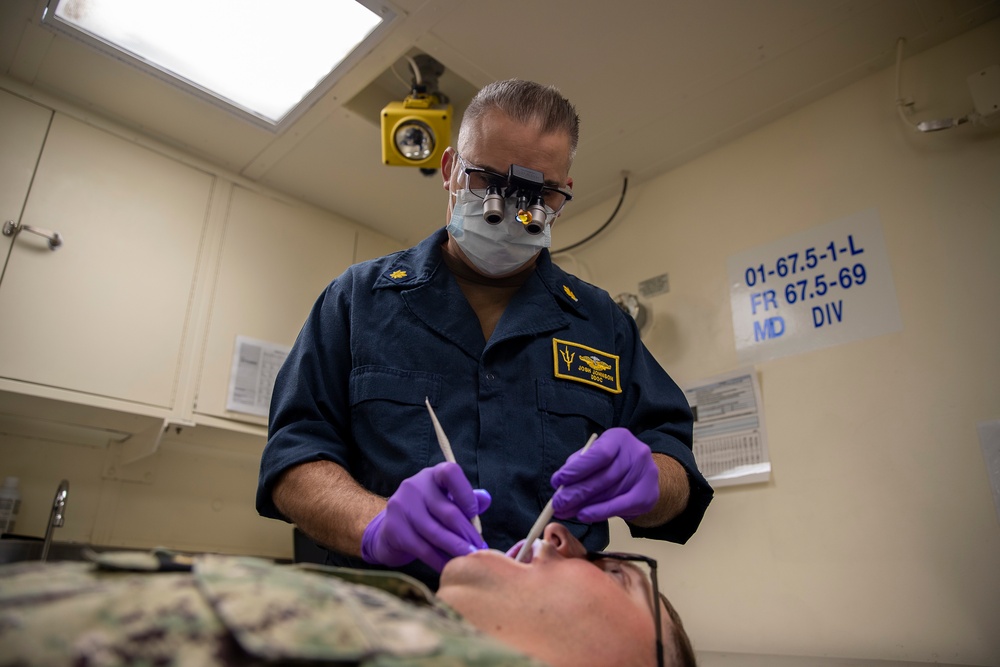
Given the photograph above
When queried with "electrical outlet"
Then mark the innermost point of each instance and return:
(989, 440)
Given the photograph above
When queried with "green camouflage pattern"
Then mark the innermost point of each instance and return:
(137, 608)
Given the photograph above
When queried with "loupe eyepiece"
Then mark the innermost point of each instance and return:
(533, 216)
(533, 228)
(493, 206)
(537, 214)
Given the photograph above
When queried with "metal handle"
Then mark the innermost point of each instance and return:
(11, 228)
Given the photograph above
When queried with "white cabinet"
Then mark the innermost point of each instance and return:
(275, 260)
(162, 266)
(105, 314)
(23, 125)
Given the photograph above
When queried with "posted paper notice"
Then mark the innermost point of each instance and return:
(730, 441)
(251, 379)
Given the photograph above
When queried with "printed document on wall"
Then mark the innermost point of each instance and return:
(251, 379)
(730, 441)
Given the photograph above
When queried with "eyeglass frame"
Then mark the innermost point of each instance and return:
(651, 562)
(507, 189)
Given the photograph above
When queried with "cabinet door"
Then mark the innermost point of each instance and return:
(22, 132)
(105, 314)
(276, 259)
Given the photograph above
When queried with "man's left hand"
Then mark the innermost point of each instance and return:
(615, 477)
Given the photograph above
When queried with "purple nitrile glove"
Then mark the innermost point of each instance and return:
(615, 477)
(427, 518)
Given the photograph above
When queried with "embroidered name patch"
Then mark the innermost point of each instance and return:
(585, 364)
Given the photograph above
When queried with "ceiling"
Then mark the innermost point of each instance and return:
(656, 83)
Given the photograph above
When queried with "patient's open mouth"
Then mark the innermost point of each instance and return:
(516, 549)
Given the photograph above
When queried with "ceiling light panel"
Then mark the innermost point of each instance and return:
(265, 60)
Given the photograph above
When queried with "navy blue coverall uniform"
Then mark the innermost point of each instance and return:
(563, 362)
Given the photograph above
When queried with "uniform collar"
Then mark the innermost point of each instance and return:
(415, 266)
(558, 282)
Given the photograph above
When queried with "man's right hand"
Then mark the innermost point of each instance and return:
(427, 518)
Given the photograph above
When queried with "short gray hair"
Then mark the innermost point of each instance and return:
(526, 102)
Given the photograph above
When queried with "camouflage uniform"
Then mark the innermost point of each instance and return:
(163, 609)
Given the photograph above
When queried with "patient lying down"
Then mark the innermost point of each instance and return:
(561, 607)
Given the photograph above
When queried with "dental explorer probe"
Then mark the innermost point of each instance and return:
(544, 517)
(449, 455)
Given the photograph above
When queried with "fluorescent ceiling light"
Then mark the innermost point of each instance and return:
(263, 56)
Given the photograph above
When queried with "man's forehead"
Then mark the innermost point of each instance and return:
(495, 141)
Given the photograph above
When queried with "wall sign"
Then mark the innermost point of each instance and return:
(828, 285)
(251, 379)
(729, 440)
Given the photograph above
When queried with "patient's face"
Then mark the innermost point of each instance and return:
(558, 607)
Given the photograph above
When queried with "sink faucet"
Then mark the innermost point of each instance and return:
(56, 516)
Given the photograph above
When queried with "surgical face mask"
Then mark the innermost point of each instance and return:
(497, 249)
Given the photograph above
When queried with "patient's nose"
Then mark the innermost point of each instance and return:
(563, 541)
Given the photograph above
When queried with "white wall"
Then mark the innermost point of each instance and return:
(876, 537)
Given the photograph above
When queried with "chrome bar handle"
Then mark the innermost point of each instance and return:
(11, 228)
